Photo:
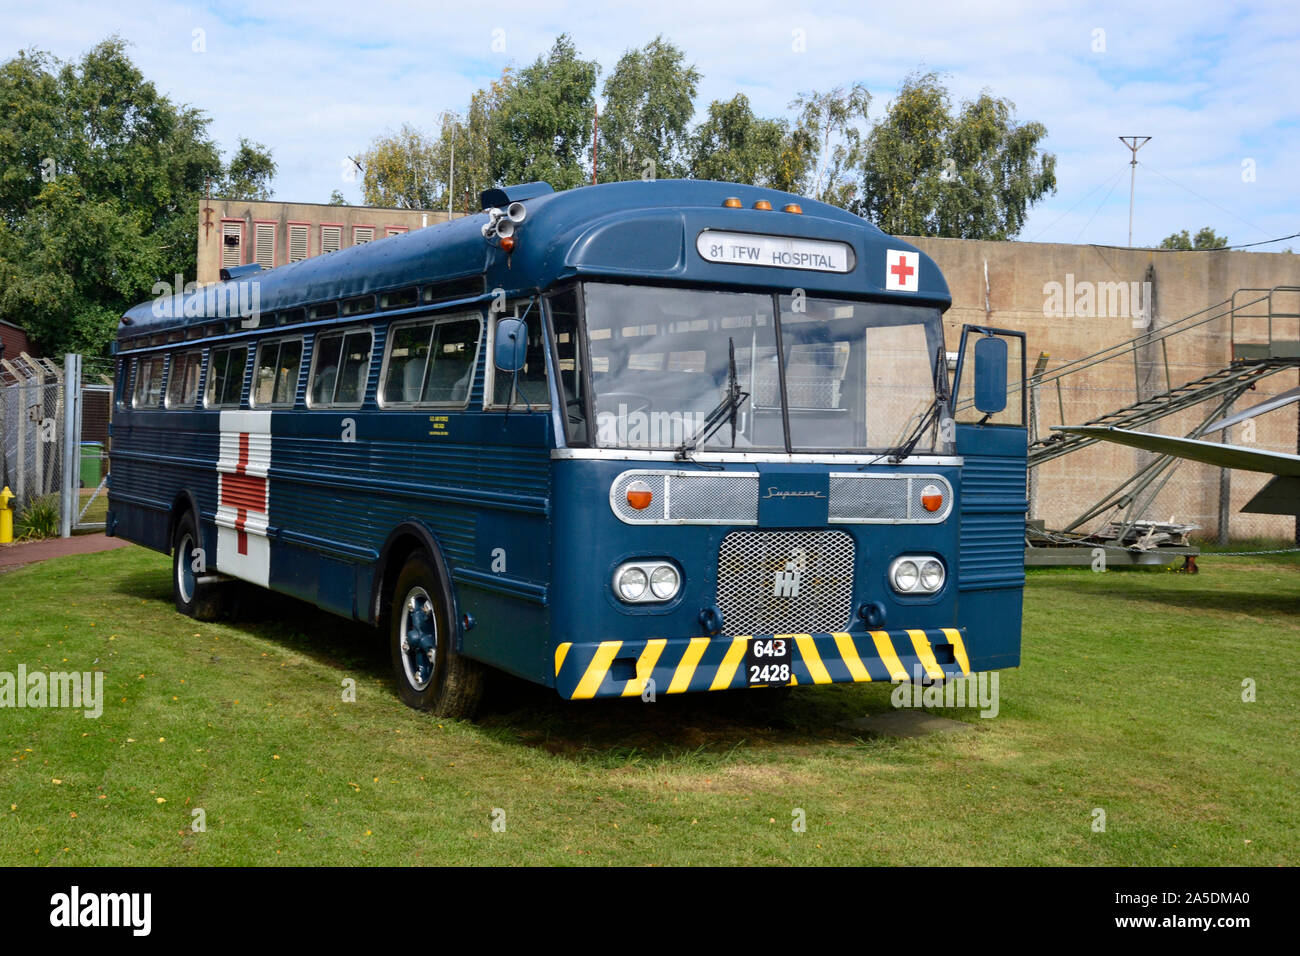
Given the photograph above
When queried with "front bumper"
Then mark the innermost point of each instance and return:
(682, 665)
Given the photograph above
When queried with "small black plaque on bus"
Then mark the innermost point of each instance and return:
(768, 661)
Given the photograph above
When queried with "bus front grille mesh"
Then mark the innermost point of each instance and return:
(785, 582)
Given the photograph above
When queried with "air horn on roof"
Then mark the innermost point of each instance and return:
(501, 223)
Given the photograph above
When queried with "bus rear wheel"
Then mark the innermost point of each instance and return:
(199, 599)
(431, 674)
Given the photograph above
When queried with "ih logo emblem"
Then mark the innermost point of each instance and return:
(790, 576)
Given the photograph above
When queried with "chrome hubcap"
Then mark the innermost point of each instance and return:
(418, 638)
(185, 576)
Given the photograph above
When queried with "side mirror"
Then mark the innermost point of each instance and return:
(991, 374)
(511, 349)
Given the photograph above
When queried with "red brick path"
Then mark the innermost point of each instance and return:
(16, 555)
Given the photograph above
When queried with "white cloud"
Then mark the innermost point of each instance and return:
(1213, 84)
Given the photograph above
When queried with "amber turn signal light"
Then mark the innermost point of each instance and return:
(639, 495)
(931, 498)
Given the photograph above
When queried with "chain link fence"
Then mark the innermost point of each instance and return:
(34, 445)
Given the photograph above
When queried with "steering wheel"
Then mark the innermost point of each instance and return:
(644, 402)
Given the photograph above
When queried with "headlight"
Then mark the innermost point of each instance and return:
(917, 574)
(643, 582)
(664, 582)
(631, 584)
(931, 576)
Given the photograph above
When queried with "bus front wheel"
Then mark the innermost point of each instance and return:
(195, 597)
(431, 674)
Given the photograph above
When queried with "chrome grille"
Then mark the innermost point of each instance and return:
(749, 563)
(868, 499)
(885, 499)
(689, 497)
(713, 498)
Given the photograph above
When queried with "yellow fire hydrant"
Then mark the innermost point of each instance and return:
(6, 516)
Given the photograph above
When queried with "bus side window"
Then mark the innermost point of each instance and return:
(277, 372)
(148, 382)
(226, 376)
(568, 362)
(356, 363)
(325, 363)
(451, 360)
(183, 382)
(339, 368)
(529, 387)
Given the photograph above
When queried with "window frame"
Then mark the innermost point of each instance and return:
(126, 377)
(343, 332)
(277, 341)
(172, 365)
(490, 365)
(436, 319)
(207, 376)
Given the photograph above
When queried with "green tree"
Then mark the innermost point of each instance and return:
(249, 173)
(645, 126)
(734, 145)
(403, 170)
(972, 175)
(100, 178)
(1205, 238)
(337, 199)
(828, 127)
(542, 120)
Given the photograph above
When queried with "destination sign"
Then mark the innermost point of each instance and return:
(781, 252)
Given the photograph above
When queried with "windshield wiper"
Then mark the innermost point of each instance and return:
(726, 410)
(932, 414)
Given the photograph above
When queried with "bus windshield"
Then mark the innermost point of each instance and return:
(858, 376)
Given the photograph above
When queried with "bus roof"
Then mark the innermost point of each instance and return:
(636, 231)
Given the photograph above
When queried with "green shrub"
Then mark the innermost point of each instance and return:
(39, 520)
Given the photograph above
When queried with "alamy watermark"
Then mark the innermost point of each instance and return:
(227, 300)
(39, 689)
(1085, 299)
(977, 690)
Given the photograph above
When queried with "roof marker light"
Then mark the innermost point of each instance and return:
(793, 207)
(762, 204)
(731, 202)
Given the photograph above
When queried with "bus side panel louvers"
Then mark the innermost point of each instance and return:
(993, 506)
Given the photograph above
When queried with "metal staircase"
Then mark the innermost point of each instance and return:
(1263, 330)
(1232, 380)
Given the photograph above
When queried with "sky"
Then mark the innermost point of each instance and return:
(1216, 85)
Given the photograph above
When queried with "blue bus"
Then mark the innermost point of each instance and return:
(625, 440)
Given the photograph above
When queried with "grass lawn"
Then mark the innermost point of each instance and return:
(1129, 699)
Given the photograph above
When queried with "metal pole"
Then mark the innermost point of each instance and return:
(1132, 142)
(71, 443)
(451, 174)
(1225, 491)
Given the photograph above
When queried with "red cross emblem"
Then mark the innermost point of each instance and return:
(902, 273)
(244, 493)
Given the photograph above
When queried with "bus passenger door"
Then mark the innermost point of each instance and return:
(991, 434)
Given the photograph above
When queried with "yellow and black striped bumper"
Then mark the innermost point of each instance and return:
(682, 665)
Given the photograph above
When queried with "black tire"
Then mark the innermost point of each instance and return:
(201, 601)
(419, 621)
